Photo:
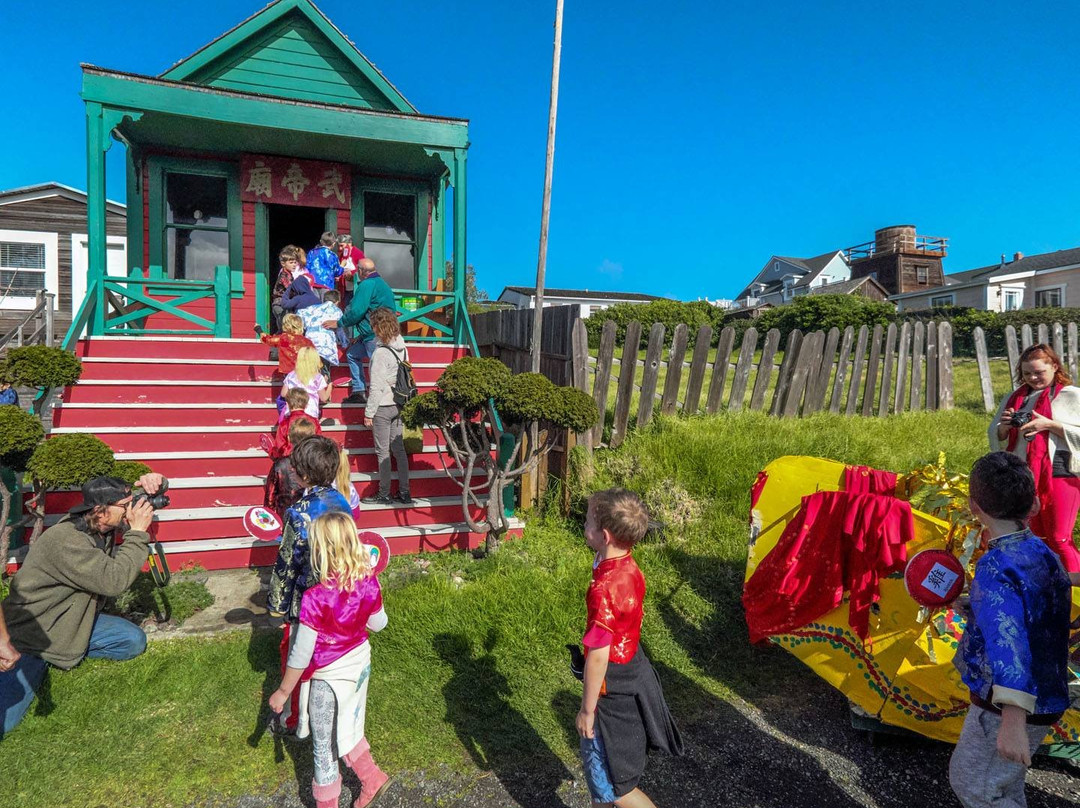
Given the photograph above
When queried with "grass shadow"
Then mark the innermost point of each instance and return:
(497, 737)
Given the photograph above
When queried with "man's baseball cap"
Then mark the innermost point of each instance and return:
(101, 491)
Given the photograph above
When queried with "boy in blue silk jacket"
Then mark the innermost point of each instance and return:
(1014, 653)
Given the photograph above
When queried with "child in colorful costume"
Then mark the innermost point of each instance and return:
(331, 660)
(283, 488)
(316, 463)
(323, 265)
(623, 713)
(288, 343)
(1014, 652)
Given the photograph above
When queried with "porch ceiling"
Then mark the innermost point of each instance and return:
(176, 115)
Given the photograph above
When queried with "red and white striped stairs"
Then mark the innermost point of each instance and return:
(193, 409)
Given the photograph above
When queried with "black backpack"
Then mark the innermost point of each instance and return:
(404, 389)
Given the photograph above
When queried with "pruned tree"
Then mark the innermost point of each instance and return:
(476, 402)
(64, 461)
(41, 367)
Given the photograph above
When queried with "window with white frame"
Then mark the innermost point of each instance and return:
(922, 275)
(22, 269)
(942, 300)
(1012, 299)
(1051, 298)
(28, 265)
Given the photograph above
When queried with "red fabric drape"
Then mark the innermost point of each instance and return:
(838, 541)
(1038, 449)
(865, 480)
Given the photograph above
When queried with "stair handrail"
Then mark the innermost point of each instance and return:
(43, 334)
(81, 321)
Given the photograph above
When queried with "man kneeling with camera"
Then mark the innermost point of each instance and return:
(53, 611)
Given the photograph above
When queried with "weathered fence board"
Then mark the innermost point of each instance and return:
(808, 359)
(945, 367)
(916, 367)
(931, 366)
(1058, 339)
(764, 369)
(719, 370)
(1011, 347)
(887, 361)
(674, 370)
(1044, 334)
(899, 400)
(627, 369)
(872, 366)
(856, 370)
(842, 364)
(579, 344)
(602, 379)
(783, 379)
(742, 370)
(647, 400)
(697, 369)
(1026, 339)
(1073, 347)
(822, 375)
(983, 361)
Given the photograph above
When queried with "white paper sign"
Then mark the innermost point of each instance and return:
(940, 579)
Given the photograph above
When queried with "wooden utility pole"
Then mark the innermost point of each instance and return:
(541, 263)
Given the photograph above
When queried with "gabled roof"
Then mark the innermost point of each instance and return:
(815, 265)
(45, 190)
(847, 287)
(584, 294)
(292, 50)
(809, 270)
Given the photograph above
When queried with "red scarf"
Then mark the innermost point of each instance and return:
(1038, 450)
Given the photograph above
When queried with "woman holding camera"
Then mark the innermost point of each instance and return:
(1040, 422)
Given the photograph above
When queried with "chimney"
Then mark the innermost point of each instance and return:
(1017, 256)
(1003, 259)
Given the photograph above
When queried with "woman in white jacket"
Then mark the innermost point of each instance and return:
(381, 412)
(1040, 422)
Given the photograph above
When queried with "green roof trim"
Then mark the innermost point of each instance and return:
(291, 50)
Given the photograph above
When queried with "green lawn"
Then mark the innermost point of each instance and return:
(471, 676)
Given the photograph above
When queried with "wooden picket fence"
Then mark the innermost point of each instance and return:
(869, 372)
(1063, 338)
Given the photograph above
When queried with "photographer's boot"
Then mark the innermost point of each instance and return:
(372, 779)
(326, 796)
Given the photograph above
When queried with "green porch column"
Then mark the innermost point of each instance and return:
(96, 146)
(460, 156)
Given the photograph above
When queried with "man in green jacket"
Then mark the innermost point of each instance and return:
(53, 608)
(371, 293)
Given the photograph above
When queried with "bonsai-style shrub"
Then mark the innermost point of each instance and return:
(65, 461)
(42, 367)
(476, 403)
(129, 470)
(20, 433)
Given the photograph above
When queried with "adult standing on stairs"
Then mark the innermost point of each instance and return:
(371, 293)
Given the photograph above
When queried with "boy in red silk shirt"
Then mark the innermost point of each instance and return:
(623, 713)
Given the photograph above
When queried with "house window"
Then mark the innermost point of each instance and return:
(1048, 298)
(390, 236)
(1012, 299)
(941, 301)
(922, 275)
(22, 269)
(196, 225)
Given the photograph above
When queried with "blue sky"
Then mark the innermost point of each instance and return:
(695, 139)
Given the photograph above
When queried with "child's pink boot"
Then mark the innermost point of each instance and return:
(326, 796)
(372, 779)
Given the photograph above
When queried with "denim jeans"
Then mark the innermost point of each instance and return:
(111, 638)
(356, 354)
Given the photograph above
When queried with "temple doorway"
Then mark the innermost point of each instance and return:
(292, 224)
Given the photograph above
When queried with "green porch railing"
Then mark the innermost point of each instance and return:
(122, 306)
(413, 308)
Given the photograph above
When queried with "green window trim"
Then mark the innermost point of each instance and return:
(420, 190)
(159, 166)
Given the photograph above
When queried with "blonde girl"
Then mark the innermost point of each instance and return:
(307, 375)
(344, 485)
(331, 660)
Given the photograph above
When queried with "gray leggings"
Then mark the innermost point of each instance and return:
(322, 709)
(387, 431)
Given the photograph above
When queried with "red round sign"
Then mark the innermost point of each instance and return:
(262, 524)
(378, 548)
(934, 578)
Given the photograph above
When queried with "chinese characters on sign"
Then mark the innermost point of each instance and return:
(939, 580)
(284, 181)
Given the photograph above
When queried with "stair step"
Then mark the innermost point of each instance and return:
(213, 371)
(198, 348)
(166, 414)
(123, 391)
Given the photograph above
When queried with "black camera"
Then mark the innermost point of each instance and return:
(157, 501)
(1019, 419)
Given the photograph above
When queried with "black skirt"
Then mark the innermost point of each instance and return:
(634, 720)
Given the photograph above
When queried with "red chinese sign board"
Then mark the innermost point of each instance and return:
(284, 181)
